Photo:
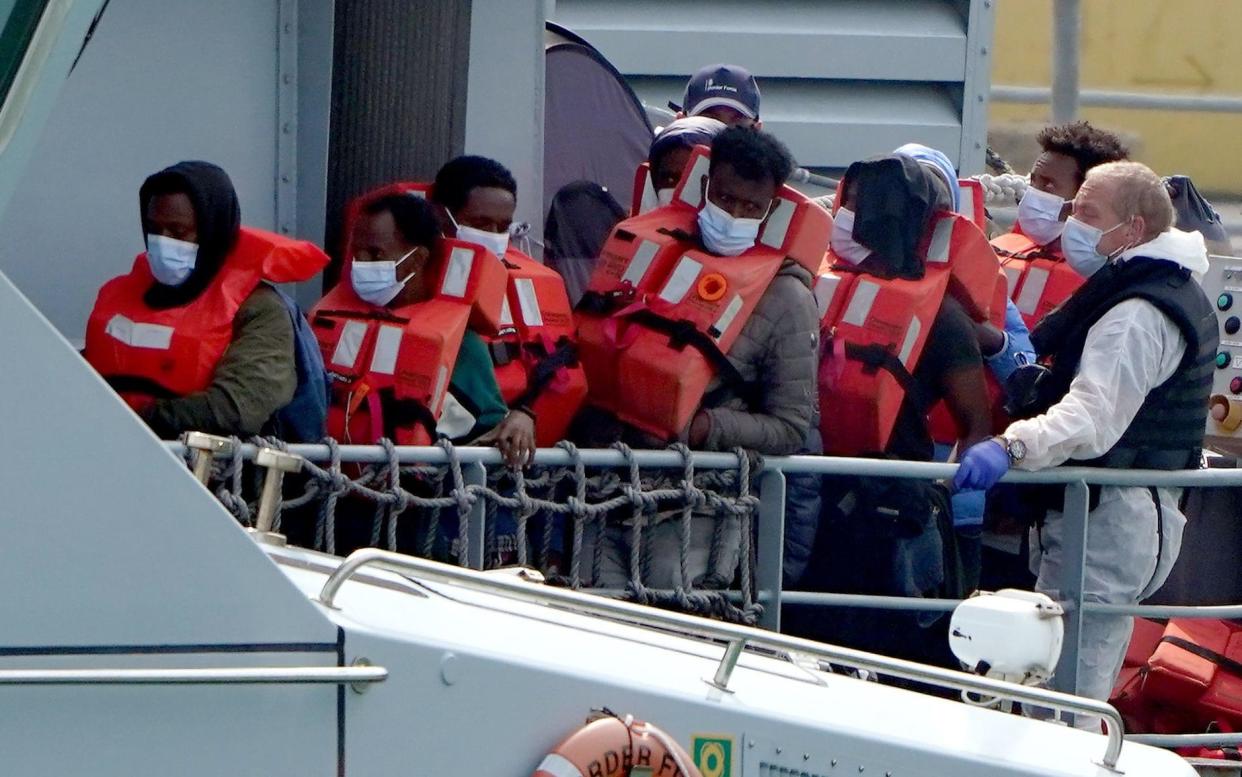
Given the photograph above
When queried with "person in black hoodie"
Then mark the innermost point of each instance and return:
(191, 222)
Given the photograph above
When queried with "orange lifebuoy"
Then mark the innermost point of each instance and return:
(610, 746)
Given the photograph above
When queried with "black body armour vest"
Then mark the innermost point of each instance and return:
(1167, 433)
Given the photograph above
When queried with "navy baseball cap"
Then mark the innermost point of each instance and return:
(728, 85)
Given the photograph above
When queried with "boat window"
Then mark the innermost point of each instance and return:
(20, 19)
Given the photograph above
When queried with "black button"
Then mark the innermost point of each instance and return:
(1232, 325)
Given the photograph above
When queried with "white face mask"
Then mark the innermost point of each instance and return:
(723, 234)
(1080, 243)
(376, 282)
(496, 242)
(171, 260)
(665, 196)
(1039, 215)
(842, 241)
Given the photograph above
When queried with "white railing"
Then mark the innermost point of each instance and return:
(475, 463)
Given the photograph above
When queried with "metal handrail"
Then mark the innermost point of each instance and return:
(257, 675)
(817, 465)
(1109, 98)
(736, 637)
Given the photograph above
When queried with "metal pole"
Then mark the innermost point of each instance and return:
(728, 662)
(1065, 50)
(771, 540)
(281, 675)
(277, 464)
(206, 447)
(1073, 571)
(1138, 101)
(476, 528)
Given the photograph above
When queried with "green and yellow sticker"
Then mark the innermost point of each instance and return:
(713, 754)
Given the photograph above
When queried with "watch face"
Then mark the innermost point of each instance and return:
(1017, 450)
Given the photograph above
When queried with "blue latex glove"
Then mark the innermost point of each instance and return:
(982, 465)
(1017, 350)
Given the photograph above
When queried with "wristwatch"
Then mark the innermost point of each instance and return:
(1015, 448)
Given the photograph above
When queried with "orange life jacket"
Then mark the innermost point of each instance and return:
(944, 427)
(660, 313)
(1183, 676)
(644, 196)
(874, 330)
(1040, 279)
(535, 348)
(533, 352)
(148, 354)
(390, 368)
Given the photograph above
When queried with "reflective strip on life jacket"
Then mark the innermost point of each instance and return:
(641, 263)
(346, 352)
(907, 345)
(776, 228)
(457, 272)
(678, 283)
(384, 354)
(1032, 291)
(861, 303)
(138, 335)
(941, 240)
(1013, 274)
(528, 302)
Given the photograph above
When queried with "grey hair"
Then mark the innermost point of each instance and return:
(1139, 192)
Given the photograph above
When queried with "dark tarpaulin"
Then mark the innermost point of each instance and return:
(580, 218)
(595, 129)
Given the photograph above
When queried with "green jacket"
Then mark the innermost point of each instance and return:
(474, 404)
(256, 377)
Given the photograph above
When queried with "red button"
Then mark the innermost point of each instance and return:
(1235, 385)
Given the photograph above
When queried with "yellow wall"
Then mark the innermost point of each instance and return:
(1167, 46)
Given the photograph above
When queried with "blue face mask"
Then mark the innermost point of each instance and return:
(1039, 215)
(376, 282)
(171, 260)
(724, 235)
(1080, 244)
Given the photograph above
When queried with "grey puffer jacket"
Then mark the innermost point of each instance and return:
(778, 352)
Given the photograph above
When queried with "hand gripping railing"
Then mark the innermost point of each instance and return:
(736, 637)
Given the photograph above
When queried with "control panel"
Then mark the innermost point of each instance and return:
(1223, 285)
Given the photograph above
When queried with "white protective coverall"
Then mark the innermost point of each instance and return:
(1131, 350)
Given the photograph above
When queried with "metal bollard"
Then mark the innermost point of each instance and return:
(277, 464)
(206, 447)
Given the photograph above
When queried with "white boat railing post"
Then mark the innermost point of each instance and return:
(205, 448)
(1074, 529)
(277, 463)
(770, 547)
(476, 530)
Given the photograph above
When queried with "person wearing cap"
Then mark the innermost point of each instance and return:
(726, 93)
(671, 150)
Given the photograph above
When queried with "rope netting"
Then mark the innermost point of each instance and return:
(558, 519)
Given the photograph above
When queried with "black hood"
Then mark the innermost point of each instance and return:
(219, 219)
(893, 201)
